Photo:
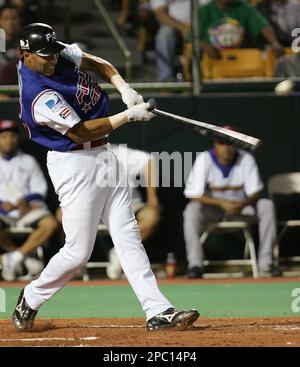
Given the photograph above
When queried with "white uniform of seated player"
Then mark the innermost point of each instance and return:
(140, 171)
(22, 192)
(224, 184)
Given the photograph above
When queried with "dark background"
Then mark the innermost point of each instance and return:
(273, 119)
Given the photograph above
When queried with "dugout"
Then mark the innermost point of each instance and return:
(271, 118)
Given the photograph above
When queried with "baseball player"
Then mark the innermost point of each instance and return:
(22, 192)
(64, 110)
(225, 184)
(141, 165)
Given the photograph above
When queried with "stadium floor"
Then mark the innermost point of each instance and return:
(106, 313)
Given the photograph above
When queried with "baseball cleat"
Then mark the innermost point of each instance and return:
(171, 318)
(23, 316)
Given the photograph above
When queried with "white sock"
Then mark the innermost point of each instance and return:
(17, 256)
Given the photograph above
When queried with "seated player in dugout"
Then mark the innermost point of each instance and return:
(140, 171)
(66, 111)
(22, 203)
(224, 184)
(233, 24)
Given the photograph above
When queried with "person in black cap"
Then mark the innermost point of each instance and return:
(22, 204)
(66, 111)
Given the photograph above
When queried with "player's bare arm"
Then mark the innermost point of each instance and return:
(252, 200)
(163, 17)
(93, 129)
(227, 205)
(109, 73)
(99, 66)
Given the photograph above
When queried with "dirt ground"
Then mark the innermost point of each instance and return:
(132, 332)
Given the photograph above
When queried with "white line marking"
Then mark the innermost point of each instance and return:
(286, 327)
(112, 326)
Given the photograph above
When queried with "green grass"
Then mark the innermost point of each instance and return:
(212, 300)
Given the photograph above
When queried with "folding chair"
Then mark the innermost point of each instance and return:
(236, 226)
(285, 184)
(234, 63)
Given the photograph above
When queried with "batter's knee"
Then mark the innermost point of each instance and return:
(74, 260)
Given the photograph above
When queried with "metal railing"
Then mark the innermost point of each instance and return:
(109, 88)
(117, 37)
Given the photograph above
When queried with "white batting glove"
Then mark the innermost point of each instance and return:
(139, 113)
(129, 96)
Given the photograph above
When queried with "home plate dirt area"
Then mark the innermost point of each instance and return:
(105, 313)
(132, 332)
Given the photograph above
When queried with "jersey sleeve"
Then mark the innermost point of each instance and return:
(72, 53)
(197, 179)
(253, 183)
(50, 109)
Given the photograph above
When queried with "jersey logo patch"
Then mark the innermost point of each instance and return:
(65, 113)
(54, 103)
(86, 88)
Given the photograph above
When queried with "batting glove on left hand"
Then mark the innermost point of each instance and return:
(130, 97)
(139, 113)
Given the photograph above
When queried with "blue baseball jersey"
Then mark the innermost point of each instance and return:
(50, 106)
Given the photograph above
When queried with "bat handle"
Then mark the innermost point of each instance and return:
(152, 104)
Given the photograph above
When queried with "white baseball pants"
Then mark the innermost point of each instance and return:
(78, 179)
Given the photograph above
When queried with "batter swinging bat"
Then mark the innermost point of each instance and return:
(236, 138)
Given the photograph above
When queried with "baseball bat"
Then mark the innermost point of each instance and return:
(238, 139)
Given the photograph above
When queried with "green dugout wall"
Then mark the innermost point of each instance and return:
(275, 120)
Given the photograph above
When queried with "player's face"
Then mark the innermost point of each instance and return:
(8, 142)
(41, 64)
(224, 152)
(10, 22)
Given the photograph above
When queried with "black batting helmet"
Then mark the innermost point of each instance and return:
(40, 39)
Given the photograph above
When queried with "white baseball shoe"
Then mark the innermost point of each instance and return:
(11, 262)
(171, 318)
(114, 268)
